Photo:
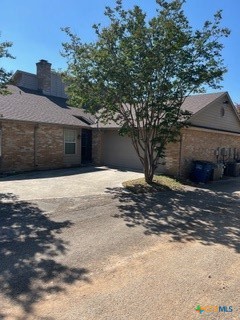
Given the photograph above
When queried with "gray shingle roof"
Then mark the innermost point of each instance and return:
(29, 105)
(192, 104)
(80, 113)
(197, 102)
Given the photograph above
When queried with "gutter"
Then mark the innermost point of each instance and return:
(191, 126)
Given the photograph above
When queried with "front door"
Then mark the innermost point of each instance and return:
(86, 146)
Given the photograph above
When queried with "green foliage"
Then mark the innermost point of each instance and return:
(138, 72)
(4, 75)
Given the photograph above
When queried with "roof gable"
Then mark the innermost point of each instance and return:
(219, 114)
(196, 103)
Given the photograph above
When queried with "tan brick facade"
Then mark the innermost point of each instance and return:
(27, 146)
(49, 146)
(198, 144)
(172, 158)
(17, 146)
(194, 144)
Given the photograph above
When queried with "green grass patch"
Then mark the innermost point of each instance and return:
(160, 183)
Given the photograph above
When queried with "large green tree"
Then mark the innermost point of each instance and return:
(139, 71)
(4, 75)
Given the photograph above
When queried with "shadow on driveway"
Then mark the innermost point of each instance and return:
(207, 216)
(30, 243)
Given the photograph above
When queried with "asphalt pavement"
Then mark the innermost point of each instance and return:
(116, 255)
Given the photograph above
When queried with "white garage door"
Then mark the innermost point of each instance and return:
(118, 151)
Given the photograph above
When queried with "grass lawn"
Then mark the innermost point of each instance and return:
(160, 183)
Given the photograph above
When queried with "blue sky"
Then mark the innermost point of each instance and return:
(34, 29)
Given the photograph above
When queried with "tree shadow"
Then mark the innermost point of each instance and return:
(30, 244)
(204, 215)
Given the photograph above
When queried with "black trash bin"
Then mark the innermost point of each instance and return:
(202, 171)
(232, 169)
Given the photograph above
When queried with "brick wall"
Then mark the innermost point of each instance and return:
(27, 146)
(197, 144)
(172, 158)
(17, 146)
(49, 146)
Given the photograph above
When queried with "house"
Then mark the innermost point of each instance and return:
(38, 130)
(213, 135)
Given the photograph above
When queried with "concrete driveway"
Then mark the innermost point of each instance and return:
(72, 182)
(116, 255)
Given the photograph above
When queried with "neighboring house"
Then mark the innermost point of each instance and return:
(213, 135)
(38, 130)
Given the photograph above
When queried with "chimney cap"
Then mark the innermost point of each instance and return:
(43, 61)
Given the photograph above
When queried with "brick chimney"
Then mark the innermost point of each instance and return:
(44, 76)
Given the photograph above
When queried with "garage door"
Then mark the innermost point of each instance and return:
(118, 151)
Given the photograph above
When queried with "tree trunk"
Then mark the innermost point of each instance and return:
(148, 177)
(148, 170)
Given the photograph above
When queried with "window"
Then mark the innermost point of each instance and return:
(70, 141)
